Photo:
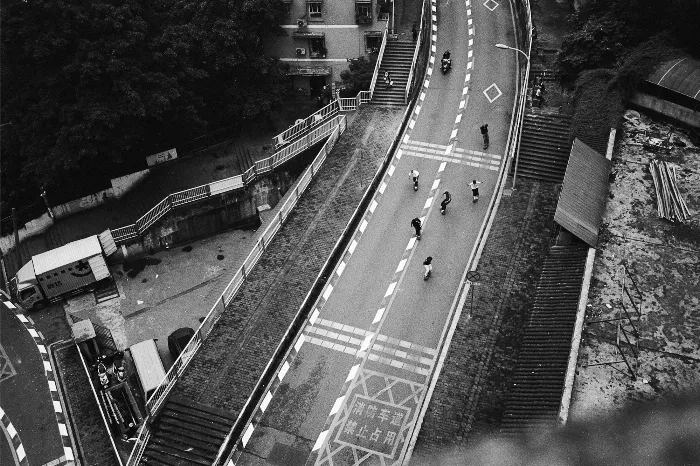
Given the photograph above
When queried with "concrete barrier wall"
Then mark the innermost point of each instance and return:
(666, 108)
(123, 184)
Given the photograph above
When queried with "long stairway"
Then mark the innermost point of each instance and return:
(397, 59)
(544, 146)
(538, 380)
(186, 432)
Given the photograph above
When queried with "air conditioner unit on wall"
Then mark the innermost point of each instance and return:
(301, 51)
(301, 22)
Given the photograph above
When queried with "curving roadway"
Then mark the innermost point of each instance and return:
(356, 385)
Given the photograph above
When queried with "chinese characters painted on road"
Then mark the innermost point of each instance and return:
(373, 425)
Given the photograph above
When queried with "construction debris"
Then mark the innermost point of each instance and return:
(669, 202)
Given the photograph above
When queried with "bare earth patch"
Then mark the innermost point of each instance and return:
(663, 259)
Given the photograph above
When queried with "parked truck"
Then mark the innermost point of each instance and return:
(63, 271)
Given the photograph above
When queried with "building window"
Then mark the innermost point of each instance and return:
(317, 48)
(288, 8)
(314, 10)
(373, 43)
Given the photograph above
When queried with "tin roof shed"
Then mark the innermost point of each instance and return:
(583, 192)
(71, 252)
(681, 75)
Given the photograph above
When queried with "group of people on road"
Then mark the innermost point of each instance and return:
(417, 224)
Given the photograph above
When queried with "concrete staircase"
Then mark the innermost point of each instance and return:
(544, 146)
(186, 432)
(537, 383)
(397, 59)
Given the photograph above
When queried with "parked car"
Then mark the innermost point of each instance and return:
(178, 340)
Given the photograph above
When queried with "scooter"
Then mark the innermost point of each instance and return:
(118, 370)
(446, 62)
(102, 371)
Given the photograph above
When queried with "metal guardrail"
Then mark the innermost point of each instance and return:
(380, 56)
(260, 167)
(316, 118)
(158, 397)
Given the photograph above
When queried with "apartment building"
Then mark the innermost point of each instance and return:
(324, 35)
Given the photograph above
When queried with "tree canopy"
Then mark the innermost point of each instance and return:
(89, 88)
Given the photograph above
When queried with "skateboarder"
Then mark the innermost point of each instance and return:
(447, 200)
(416, 223)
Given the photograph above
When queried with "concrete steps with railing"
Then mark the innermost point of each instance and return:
(397, 60)
(186, 432)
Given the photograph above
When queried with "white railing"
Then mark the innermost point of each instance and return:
(316, 118)
(375, 76)
(159, 395)
(409, 83)
(229, 184)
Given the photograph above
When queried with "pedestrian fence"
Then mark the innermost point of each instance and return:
(299, 129)
(154, 403)
(352, 103)
(260, 168)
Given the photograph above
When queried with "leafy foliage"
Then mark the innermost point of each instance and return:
(91, 87)
(358, 76)
(604, 31)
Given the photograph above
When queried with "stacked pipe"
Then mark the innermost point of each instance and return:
(670, 204)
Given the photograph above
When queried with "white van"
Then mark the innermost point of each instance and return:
(149, 366)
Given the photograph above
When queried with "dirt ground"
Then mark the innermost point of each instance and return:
(663, 260)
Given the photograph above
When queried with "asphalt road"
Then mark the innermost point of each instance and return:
(354, 391)
(25, 397)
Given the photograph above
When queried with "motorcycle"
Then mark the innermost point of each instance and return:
(446, 62)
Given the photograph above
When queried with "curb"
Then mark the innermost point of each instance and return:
(58, 405)
(17, 448)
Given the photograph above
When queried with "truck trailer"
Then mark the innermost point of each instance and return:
(63, 271)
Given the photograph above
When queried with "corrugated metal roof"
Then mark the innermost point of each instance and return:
(583, 193)
(71, 252)
(681, 75)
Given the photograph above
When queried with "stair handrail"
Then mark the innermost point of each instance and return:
(125, 233)
(379, 61)
(419, 41)
(320, 116)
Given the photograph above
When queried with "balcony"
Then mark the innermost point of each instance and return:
(363, 19)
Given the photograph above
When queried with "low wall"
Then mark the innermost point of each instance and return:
(667, 109)
(123, 184)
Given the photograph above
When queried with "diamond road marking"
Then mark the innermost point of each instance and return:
(492, 90)
(491, 4)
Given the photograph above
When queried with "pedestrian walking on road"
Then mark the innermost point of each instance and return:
(447, 200)
(475, 189)
(416, 224)
(485, 133)
(414, 31)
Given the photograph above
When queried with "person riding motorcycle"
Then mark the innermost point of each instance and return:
(446, 61)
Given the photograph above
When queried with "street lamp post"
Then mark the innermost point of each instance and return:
(517, 150)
